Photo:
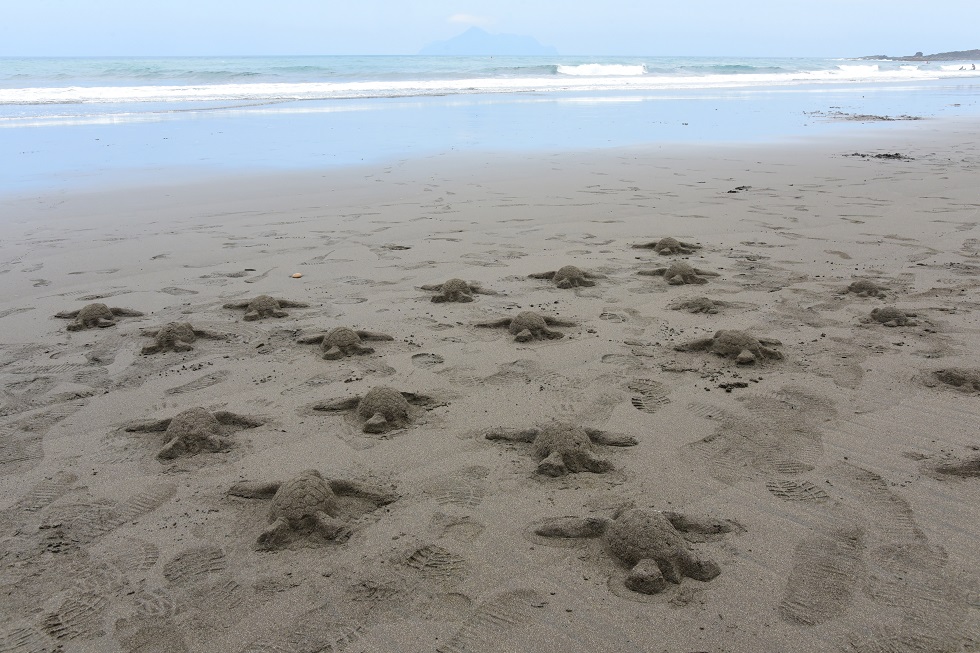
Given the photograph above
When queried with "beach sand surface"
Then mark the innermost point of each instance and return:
(843, 469)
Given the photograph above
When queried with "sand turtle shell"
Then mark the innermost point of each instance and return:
(95, 315)
(669, 245)
(570, 449)
(299, 499)
(649, 542)
(866, 288)
(648, 535)
(741, 346)
(343, 338)
(454, 290)
(92, 313)
(571, 276)
(893, 317)
(386, 402)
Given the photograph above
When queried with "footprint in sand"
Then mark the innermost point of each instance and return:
(960, 378)
(649, 396)
(494, 618)
(778, 435)
(466, 487)
(828, 568)
(427, 361)
(200, 383)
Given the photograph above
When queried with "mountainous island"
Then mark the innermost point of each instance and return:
(957, 55)
(478, 42)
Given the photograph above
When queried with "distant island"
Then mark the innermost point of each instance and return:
(958, 55)
(478, 42)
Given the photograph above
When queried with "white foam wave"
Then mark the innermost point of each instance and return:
(858, 70)
(601, 70)
(278, 92)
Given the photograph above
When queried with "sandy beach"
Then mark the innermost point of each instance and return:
(824, 457)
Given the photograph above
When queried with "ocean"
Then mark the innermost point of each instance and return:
(70, 121)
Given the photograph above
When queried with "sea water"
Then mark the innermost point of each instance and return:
(70, 121)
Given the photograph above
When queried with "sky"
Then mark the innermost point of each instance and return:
(610, 27)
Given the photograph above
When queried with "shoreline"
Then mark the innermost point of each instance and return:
(298, 136)
(883, 136)
(826, 466)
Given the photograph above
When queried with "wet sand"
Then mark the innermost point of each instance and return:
(844, 467)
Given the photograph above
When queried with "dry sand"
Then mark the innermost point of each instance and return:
(848, 466)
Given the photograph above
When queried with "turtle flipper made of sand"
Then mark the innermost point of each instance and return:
(95, 316)
(741, 346)
(341, 342)
(528, 325)
(456, 290)
(569, 276)
(381, 409)
(668, 246)
(175, 336)
(681, 273)
(892, 317)
(650, 543)
(562, 448)
(195, 430)
(308, 505)
(265, 306)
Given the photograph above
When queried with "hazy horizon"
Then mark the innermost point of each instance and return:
(303, 27)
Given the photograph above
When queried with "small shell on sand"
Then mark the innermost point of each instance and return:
(297, 275)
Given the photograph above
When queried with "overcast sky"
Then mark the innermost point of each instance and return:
(616, 27)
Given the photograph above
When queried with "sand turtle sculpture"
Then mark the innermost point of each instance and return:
(700, 305)
(866, 288)
(650, 542)
(680, 273)
(562, 448)
(96, 315)
(457, 290)
(893, 317)
(668, 246)
(308, 505)
(381, 409)
(528, 325)
(265, 306)
(341, 342)
(195, 430)
(569, 276)
(741, 346)
(175, 336)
